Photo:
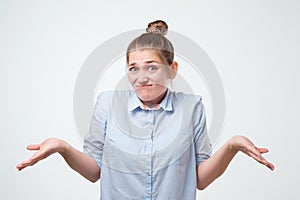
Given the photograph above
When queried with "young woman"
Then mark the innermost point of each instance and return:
(149, 142)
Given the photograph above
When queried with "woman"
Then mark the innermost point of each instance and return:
(149, 143)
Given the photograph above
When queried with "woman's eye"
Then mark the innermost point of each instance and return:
(132, 69)
(152, 68)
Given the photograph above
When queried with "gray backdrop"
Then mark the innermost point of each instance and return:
(253, 45)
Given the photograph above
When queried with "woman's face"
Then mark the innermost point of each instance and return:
(148, 75)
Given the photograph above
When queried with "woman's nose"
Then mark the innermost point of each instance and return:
(142, 77)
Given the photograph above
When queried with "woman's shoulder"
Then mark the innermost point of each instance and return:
(106, 99)
(114, 93)
(188, 96)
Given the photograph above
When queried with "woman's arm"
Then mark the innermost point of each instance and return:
(77, 160)
(214, 167)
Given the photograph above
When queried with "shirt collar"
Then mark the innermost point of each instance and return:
(135, 102)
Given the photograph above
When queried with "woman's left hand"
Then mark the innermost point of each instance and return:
(243, 144)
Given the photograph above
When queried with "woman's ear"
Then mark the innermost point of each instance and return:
(173, 70)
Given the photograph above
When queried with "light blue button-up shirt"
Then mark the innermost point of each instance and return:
(148, 153)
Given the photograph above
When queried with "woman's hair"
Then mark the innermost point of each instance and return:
(154, 39)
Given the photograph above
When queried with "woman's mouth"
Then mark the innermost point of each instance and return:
(144, 86)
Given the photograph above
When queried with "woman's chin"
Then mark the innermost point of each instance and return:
(150, 99)
(147, 98)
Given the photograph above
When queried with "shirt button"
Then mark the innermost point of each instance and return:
(148, 173)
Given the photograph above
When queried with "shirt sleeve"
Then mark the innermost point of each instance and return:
(202, 143)
(94, 140)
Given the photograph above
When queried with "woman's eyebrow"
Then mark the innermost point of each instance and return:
(132, 64)
(151, 61)
(147, 62)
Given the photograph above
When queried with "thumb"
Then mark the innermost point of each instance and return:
(34, 147)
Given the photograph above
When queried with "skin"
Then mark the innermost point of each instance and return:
(215, 166)
(77, 160)
(148, 75)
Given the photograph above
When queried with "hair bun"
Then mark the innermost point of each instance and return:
(157, 27)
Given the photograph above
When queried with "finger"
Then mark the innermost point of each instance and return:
(254, 152)
(28, 162)
(255, 156)
(268, 164)
(20, 167)
(24, 164)
(263, 161)
(37, 156)
(262, 150)
(271, 166)
(34, 147)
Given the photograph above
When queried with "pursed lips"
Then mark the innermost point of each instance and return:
(144, 86)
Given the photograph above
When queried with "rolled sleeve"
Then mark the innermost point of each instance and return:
(94, 140)
(203, 149)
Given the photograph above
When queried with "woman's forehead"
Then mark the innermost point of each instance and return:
(144, 56)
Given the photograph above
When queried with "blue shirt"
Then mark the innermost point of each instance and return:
(148, 153)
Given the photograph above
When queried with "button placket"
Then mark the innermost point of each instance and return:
(150, 166)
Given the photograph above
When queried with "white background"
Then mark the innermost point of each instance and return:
(254, 44)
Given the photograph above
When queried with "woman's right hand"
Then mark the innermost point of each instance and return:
(45, 149)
